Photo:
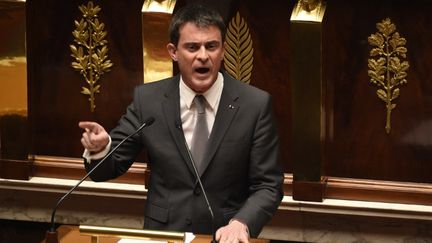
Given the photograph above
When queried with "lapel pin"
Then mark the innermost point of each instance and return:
(231, 107)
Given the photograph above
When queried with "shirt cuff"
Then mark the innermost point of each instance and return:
(89, 156)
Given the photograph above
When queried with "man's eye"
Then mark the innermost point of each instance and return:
(192, 47)
(211, 46)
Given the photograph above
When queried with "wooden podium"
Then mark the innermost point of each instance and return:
(88, 234)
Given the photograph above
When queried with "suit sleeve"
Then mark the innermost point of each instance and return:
(265, 173)
(122, 159)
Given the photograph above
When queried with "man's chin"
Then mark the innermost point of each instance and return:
(202, 76)
(202, 85)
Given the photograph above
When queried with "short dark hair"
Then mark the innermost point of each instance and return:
(198, 14)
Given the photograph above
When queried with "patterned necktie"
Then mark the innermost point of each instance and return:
(201, 133)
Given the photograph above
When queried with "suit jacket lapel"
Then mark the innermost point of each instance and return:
(227, 109)
(171, 110)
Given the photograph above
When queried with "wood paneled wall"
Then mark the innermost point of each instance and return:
(356, 146)
(55, 102)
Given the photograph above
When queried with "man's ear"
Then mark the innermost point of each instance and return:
(172, 51)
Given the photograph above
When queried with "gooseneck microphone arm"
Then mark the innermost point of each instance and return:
(203, 192)
(146, 123)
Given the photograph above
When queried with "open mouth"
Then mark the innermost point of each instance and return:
(202, 70)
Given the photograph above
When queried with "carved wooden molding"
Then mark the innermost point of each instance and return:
(15, 169)
(73, 168)
(379, 191)
(335, 188)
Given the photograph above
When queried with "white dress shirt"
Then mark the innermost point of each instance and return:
(188, 112)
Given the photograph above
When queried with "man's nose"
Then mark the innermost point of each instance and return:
(202, 53)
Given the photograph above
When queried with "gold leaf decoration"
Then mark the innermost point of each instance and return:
(90, 52)
(238, 58)
(386, 69)
(309, 5)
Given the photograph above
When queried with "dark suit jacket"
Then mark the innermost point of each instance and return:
(241, 173)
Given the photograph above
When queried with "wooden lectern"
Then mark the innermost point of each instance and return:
(96, 234)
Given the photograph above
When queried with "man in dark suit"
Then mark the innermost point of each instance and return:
(239, 167)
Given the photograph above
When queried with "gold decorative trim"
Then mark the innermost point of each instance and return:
(309, 10)
(8, 112)
(90, 35)
(309, 5)
(13, 58)
(156, 16)
(238, 58)
(387, 70)
(153, 235)
(161, 6)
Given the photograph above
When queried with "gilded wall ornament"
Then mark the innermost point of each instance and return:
(309, 5)
(91, 51)
(238, 58)
(309, 11)
(161, 6)
(386, 68)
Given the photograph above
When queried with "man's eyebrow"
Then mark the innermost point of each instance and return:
(213, 42)
(198, 42)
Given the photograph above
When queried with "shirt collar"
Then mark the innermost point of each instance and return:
(212, 94)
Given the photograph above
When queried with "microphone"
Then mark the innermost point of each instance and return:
(204, 193)
(51, 235)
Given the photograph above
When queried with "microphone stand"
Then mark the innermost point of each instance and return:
(52, 234)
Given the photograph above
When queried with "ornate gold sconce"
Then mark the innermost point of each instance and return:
(91, 52)
(386, 70)
(238, 58)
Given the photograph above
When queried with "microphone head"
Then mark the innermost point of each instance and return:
(149, 121)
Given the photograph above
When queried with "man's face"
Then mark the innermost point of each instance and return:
(199, 54)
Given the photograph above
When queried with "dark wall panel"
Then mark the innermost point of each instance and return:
(358, 145)
(269, 27)
(55, 102)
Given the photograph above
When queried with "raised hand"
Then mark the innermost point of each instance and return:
(94, 138)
